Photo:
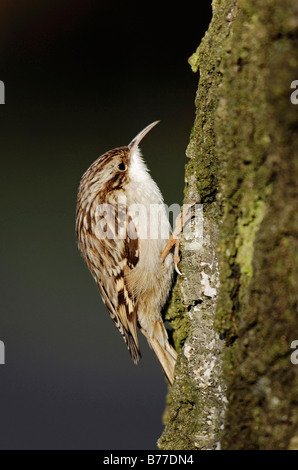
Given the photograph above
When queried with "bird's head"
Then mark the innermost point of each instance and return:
(115, 168)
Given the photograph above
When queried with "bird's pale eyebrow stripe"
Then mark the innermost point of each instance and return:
(108, 156)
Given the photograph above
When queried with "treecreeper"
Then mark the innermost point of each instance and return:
(130, 259)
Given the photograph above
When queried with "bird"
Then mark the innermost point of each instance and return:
(132, 268)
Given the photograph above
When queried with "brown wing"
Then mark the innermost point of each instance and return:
(110, 260)
(129, 334)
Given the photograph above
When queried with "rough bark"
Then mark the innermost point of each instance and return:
(235, 309)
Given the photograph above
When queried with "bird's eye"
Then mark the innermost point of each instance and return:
(122, 166)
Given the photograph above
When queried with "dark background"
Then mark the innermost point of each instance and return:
(81, 77)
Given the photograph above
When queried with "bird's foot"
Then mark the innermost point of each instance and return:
(175, 239)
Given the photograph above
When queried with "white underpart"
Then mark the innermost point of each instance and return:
(144, 191)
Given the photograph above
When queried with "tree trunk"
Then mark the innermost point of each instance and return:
(234, 309)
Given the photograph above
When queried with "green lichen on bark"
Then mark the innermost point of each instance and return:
(243, 168)
(176, 314)
(258, 246)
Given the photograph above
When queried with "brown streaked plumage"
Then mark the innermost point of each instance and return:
(123, 258)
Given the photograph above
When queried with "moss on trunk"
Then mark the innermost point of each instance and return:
(243, 167)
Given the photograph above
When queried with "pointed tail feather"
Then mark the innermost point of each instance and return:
(164, 352)
(166, 357)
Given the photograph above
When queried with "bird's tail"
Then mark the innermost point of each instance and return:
(165, 353)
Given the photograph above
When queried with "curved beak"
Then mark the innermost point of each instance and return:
(135, 142)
